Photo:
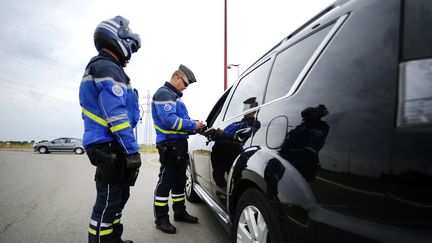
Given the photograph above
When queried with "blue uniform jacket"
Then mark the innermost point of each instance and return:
(110, 107)
(170, 116)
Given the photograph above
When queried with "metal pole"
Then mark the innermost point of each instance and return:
(225, 46)
(136, 133)
(148, 137)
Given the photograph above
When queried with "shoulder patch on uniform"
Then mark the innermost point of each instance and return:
(167, 107)
(117, 90)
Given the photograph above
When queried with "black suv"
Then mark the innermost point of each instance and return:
(328, 136)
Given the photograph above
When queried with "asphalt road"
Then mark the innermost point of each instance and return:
(48, 198)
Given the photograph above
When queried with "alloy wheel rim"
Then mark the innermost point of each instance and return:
(251, 226)
(188, 181)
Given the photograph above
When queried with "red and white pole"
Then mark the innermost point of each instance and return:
(225, 47)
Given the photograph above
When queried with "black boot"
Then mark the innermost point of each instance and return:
(185, 217)
(166, 227)
(124, 241)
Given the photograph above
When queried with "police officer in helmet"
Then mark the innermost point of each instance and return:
(173, 126)
(110, 112)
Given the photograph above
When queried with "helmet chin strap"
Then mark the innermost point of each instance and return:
(114, 56)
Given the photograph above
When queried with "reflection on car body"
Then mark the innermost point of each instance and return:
(229, 143)
(304, 142)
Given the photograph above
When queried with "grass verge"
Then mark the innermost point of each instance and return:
(29, 147)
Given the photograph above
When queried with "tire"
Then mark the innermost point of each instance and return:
(264, 226)
(43, 150)
(191, 195)
(79, 151)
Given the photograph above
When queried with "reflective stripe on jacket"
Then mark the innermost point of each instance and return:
(110, 107)
(170, 116)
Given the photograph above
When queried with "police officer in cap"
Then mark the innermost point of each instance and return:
(173, 126)
(110, 112)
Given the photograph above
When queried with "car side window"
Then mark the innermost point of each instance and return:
(290, 62)
(72, 140)
(59, 141)
(250, 86)
(215, 115)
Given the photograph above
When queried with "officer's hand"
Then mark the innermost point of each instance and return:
(133, 161)
(199, 126)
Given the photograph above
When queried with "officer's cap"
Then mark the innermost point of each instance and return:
(250, 103)
(189, 74)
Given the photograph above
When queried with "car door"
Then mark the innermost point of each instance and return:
(70, 144)
(57, 144)
(200, 146)
(233, 135)
(285, 125)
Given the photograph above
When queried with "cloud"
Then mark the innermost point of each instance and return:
(36, 95)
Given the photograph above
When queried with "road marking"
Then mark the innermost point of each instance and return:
(150, 161)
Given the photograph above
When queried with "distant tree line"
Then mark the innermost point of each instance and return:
(18, 142)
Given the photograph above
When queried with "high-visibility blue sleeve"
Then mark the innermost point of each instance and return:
(170, 119)
(132, 106)
(112, 100)
(173, 114)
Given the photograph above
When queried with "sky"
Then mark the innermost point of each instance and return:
(45, 46)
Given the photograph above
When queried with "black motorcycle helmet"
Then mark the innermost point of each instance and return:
(115, 35)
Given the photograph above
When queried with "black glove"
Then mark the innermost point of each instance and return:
(133, 161)
(209, 133)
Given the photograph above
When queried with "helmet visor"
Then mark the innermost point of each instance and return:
(135, 42)
(133, 39)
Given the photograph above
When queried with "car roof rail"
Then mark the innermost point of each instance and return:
(319, 15)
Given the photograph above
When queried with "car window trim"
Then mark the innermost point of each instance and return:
(219, 103)
(303, 73)
(310, 22)
(257, 65)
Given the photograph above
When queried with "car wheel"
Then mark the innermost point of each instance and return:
(43, 150)
(191, 195)
(79, 151)
(255, 219)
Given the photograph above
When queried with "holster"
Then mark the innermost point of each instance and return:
(173, 153)
(107, 167)
(109, 161)
(163, 150)
(132, 176)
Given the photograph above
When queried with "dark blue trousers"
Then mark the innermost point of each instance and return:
(105, 225)
(172, 178)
